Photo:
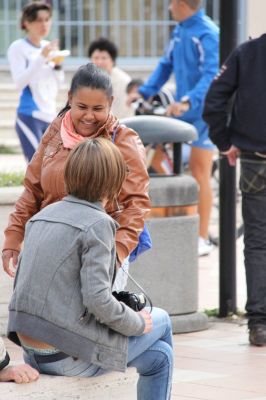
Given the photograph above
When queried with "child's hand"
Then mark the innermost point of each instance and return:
(147, 319)
(7, 256)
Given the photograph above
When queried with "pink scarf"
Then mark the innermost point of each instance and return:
(70, 137)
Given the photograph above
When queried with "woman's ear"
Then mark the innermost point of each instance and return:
(25, 25)
(69, 95)
(111, 99)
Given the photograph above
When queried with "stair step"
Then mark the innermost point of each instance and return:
(8, 112)
(12, 142)
(13, 96)
(6, 123)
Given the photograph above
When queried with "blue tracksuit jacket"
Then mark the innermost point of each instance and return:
(192, 55)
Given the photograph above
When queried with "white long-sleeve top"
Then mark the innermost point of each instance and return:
(36, 78)
(120, 80)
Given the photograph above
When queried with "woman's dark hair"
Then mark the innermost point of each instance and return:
(30, 12)
(92, 77)
(103, 44)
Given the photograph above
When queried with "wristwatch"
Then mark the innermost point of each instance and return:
(185, 104)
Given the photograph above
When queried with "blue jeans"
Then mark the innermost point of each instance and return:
(253, 188)
(151, 354)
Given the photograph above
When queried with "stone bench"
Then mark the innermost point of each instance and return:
(9, 195)
(112, 386)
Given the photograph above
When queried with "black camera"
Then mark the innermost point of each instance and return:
(136, 301)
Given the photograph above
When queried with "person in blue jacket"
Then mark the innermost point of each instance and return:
(192, 55)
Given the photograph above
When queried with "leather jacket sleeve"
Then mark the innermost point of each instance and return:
(133, 202)
(29, 202)
(129, 211)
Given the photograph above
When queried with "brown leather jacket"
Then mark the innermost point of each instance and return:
(44, 184)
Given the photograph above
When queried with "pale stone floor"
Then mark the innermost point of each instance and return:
(215, 364)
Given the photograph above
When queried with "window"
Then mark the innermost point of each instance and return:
(140, 28)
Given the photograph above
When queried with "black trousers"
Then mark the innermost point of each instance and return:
(253, 188)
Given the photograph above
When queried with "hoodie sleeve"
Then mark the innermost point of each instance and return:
(21, 70)
(217, 102)
(208, 47)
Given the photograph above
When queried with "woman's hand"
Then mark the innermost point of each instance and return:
(147, 319)
(7, 255)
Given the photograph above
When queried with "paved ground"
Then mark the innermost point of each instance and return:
(215, 364)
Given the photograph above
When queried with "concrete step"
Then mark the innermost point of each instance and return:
(6, 123)
(8, 110)
(8, 133)
(12, 96)
(12, 162)
(12, 142)
(8, 196)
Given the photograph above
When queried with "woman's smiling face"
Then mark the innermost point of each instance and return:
(89, 110)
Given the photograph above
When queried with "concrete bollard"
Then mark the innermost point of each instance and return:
(169, 271)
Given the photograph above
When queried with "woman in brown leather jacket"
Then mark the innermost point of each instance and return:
(87, 114)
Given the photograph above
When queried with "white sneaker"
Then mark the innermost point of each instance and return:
(204, 247)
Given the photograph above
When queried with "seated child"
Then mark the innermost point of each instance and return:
(62, 311)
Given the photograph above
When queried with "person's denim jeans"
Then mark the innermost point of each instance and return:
(253, 188)
(151, 354)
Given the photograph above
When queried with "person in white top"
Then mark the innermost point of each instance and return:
(35, 74)
(103, 53)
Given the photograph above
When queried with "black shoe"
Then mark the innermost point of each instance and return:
(257, 335)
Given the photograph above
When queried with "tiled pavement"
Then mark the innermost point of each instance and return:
(216, 364)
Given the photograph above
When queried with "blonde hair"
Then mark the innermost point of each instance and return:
(95, 170)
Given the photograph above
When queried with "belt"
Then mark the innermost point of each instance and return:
(50, 358)
(256, 155)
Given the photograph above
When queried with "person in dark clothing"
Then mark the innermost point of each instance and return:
(242, 80)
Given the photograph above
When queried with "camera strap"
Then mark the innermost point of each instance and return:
(140, 287)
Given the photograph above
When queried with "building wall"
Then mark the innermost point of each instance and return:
(256, 21)
(140, 28)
